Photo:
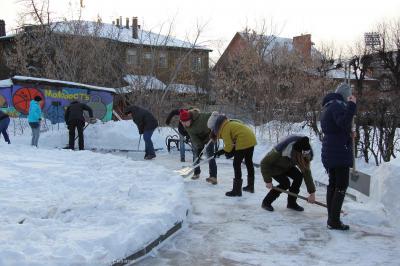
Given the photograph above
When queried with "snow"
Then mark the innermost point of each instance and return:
(81, 207)
(152, 83)
(6, 83)
(121, 203)
(123, 34)
(23, 78)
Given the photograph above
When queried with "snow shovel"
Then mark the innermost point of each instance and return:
(201, 153)
(303, 198)
(359, 180)
(190, 169)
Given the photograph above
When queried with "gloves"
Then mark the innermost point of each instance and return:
(92, 120)
(219, 153)
(229, 155)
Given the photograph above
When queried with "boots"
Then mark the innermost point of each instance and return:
(250, 184)
(336, 207)
(330, 191)
(237, 189)
(271, 196)
(292, 204)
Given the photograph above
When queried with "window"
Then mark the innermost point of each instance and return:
(163, 60)
(148, 56)
(196, 63)
(131, 57)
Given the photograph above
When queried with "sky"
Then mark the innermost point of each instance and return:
(341, 22)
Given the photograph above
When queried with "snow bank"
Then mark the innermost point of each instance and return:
(60, 207)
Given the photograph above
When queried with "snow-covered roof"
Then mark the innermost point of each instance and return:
(6, 83)
(186, 88)
(152, 83)
(340, 74)
(122, 34)
(61, 82)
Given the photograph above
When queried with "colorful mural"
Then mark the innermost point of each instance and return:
(15, 101)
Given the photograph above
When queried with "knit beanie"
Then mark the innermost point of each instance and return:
(37, 98)
(344, 90)
(302, 144)
(184, 115)
(212, 120)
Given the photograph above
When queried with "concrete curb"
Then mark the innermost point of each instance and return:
(131, 259)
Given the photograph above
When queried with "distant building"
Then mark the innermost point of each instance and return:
(140, 52)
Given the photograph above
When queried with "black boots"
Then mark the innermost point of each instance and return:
(335, 203)
(250, 184)
(292, 204)
(271, 196)
(237, 189)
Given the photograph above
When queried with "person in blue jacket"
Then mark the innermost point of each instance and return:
(337, 115)
(4, 122)
(34, 118)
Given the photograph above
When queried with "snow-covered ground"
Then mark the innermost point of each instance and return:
(85, 208)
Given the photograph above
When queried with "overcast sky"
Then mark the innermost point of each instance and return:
(341, 21)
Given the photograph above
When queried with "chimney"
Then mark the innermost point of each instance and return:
(134, 28)
(113, 22)
(2, 28)
(303, 45)
(127, 23)
(118, 22)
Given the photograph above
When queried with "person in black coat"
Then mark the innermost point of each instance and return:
(183, 134)
(74, 119)
(146, 124)
(337, 115)
(4, 122)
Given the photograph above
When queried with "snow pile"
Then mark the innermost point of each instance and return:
(385, 184)
(109, 135)
(60, 207)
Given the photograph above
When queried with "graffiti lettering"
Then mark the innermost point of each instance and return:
(62, 95)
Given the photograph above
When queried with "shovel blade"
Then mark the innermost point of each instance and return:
(360, 182)
(184, 171)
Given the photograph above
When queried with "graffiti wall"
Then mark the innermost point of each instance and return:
(15, 101)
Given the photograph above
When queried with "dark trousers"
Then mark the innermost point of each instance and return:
(284, 183)
(148, 143)
(78, 124)
(3, 128)
(335, 193)
(212, 165)
(339, 178)
(247, 155)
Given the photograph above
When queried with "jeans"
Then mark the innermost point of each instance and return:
(212, 165)
(148, 144)
(182, 146)
(35, 126)
(3, 128)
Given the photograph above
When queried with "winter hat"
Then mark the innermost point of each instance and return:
(37, 98)
(184, 115)
(344, 90)
(302, 144)
(212, 120)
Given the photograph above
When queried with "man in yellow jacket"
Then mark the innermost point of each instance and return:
(239, 141)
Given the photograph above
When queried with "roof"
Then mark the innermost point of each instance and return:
(6, 83)
(17, 79)
(340, 74)
(151, 83)
(121, 34)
